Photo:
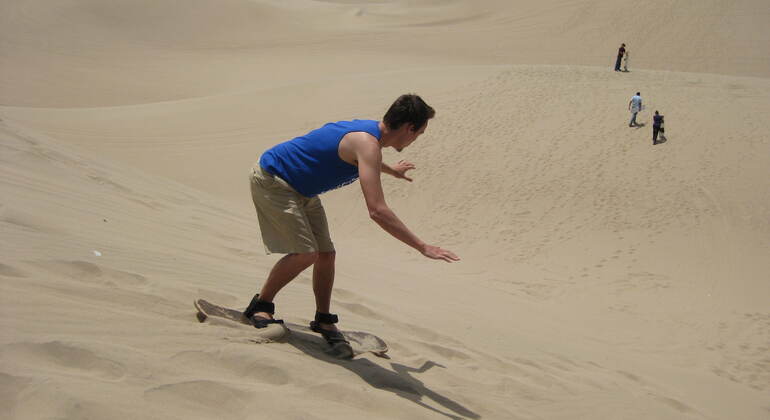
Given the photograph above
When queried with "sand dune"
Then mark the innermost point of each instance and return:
(602, 277)
(83, 53)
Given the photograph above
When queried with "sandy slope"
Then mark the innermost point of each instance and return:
(601, 277)
(92, 53)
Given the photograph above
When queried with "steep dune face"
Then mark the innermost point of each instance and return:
(92, 53)
(602, 276)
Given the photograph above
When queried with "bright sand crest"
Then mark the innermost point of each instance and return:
(601, 277)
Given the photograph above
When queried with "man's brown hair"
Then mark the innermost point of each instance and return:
(409, 109)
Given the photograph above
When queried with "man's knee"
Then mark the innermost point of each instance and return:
(305, 258)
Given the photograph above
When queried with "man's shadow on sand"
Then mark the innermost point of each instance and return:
(399, 381)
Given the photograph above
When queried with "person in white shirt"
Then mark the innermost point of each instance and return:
(634, 105)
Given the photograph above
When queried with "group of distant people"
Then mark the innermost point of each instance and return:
(635, 104)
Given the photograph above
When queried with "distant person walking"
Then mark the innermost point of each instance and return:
(657, 127)
(634, 105)
(625, 62)
(621, 53)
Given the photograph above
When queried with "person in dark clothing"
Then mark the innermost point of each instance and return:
(621, 53)
(657, 127)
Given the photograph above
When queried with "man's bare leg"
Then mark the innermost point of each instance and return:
(323, 282)
(283, 272)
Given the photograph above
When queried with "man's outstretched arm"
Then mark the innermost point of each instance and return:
(369, 166)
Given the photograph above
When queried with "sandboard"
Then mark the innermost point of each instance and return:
(360, 342)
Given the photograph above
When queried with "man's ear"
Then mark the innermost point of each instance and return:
(404, 128)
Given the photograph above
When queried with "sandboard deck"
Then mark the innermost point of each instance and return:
(361, 342)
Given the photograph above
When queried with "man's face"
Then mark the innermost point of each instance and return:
(409, 135)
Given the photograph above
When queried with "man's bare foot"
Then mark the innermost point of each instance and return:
(264, 315)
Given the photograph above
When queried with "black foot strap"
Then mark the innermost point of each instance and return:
(326, 318)
(257, 305)
(260, 322)
(332, 337)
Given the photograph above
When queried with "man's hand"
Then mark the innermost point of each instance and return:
(437, 253)
(399, 169)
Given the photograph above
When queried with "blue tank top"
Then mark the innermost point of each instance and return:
(311, 163)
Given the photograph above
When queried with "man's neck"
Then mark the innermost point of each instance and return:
(387, 135)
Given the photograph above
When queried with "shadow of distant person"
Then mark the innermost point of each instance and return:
(399, 380)
(639, 125)
(661, 139)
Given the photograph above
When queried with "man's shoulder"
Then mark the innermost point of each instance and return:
(361, 137)
(360, 142)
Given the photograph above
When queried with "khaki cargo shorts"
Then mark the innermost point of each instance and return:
(290, 222)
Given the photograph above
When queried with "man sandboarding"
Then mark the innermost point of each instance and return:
(285, 185)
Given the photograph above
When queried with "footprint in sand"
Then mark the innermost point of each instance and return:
(219, 399)
(9, 271)
(10, 389)
(27, 221)
(88, 272)
(62, 358)
(251, 366)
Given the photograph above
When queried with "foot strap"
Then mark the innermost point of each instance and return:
(260, 322)
(326, 318)
(332, 337)
(257, 305)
